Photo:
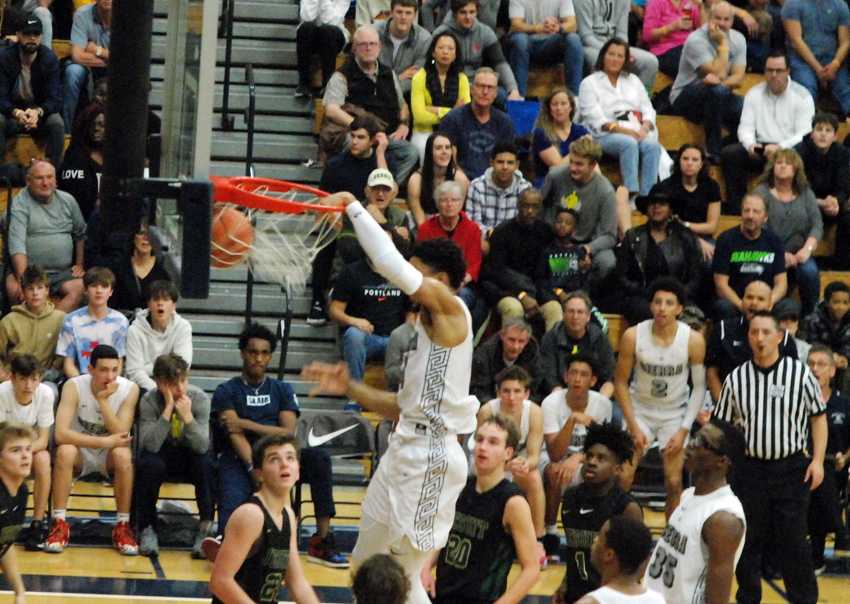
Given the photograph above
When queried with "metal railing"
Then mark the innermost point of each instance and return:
(226, 30)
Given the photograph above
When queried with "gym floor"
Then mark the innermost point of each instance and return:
(100, 574)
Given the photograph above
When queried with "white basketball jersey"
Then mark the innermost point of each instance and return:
(606, 595)
(89, 418)
(679, 564)
(434, 394)
(495, 407)
(660, 372)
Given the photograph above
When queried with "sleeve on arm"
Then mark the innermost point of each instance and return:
(79, 37)
(65, 342)
(747, 125)
(17, 232)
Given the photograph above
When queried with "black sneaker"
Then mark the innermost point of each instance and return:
(302, 91)
(318, 315)
(552, 545)
(36, 537)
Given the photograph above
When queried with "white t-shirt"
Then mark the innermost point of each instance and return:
(606, 595)
(556, 412)
(38, 414)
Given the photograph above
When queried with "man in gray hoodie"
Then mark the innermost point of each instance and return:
(156, 331)
(601, 20)
(404, 43)
(174, 436)
(479, 46)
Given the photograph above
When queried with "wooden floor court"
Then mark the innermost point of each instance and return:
(100, 574)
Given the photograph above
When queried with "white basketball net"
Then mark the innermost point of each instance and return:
(284, 244)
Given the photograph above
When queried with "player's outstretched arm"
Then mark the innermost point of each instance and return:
(243, 529)
(296, 582)
(335, 379)
(622, 375)
(517, 518)
(9, 564)
(65, 434)
(722, 533)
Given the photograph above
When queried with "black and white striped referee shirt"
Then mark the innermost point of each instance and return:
(772, 406)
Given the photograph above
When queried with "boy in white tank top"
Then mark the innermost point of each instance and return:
(409, 505)
(512, 386)
(659, 355)
(695, 558)
(619, 554)
(92, 434)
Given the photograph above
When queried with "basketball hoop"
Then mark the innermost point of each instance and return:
(287, 228)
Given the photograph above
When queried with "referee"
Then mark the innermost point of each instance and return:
(774, 399)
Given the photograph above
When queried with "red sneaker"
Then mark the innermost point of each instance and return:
(124, 540)
(60, 534)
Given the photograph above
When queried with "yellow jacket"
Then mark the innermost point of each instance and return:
(424, 120)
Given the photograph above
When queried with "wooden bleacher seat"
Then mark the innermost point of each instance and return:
(542, 80)
(827, 277)
(662, 81)
(22, 149)
(62, 48)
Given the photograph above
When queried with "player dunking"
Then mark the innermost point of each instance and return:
(656, 406)
(409, 505)
(260, 548)
(696, 556)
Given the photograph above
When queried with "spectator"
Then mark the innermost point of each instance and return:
(47, 228)
(402, 339)
(792, 212)
(436, 89)
(599, 22)
(321, 30)
(564, 264)
(827, 165)
(829, 324)
(787, 312)
(93, 423)
(253, 405)
(40, 9)
(158, 330)
(566, 416)
(89, 54)
(666, 26)
(728, 346)
(697, 194)
(25, 400)
(380, 192)
(33, 327)
(438, 166)
(92, 325)
(452, 223)
(348, 171)
(30, 96)
(83, 162)
(380, 579)
(825, 503)
(367, 309)
(365, 83)
(777, 114)
(661, 247)
(544, 33)
(508, 275)
(746, 253)
(137, 271)
(477, 127)
(713, 64)
(615, 106)
(370, 11)
(493, 196)
(819, 37)
(576, 335)
(479, 47)
(581, 187)
(513, 346)
(554, 132)
(512, 401)
(404, 43)
(174, 438)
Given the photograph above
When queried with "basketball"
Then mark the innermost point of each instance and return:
(231, 239)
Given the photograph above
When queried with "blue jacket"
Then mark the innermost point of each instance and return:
(45, 80)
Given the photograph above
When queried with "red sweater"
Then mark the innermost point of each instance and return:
(467, 236)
